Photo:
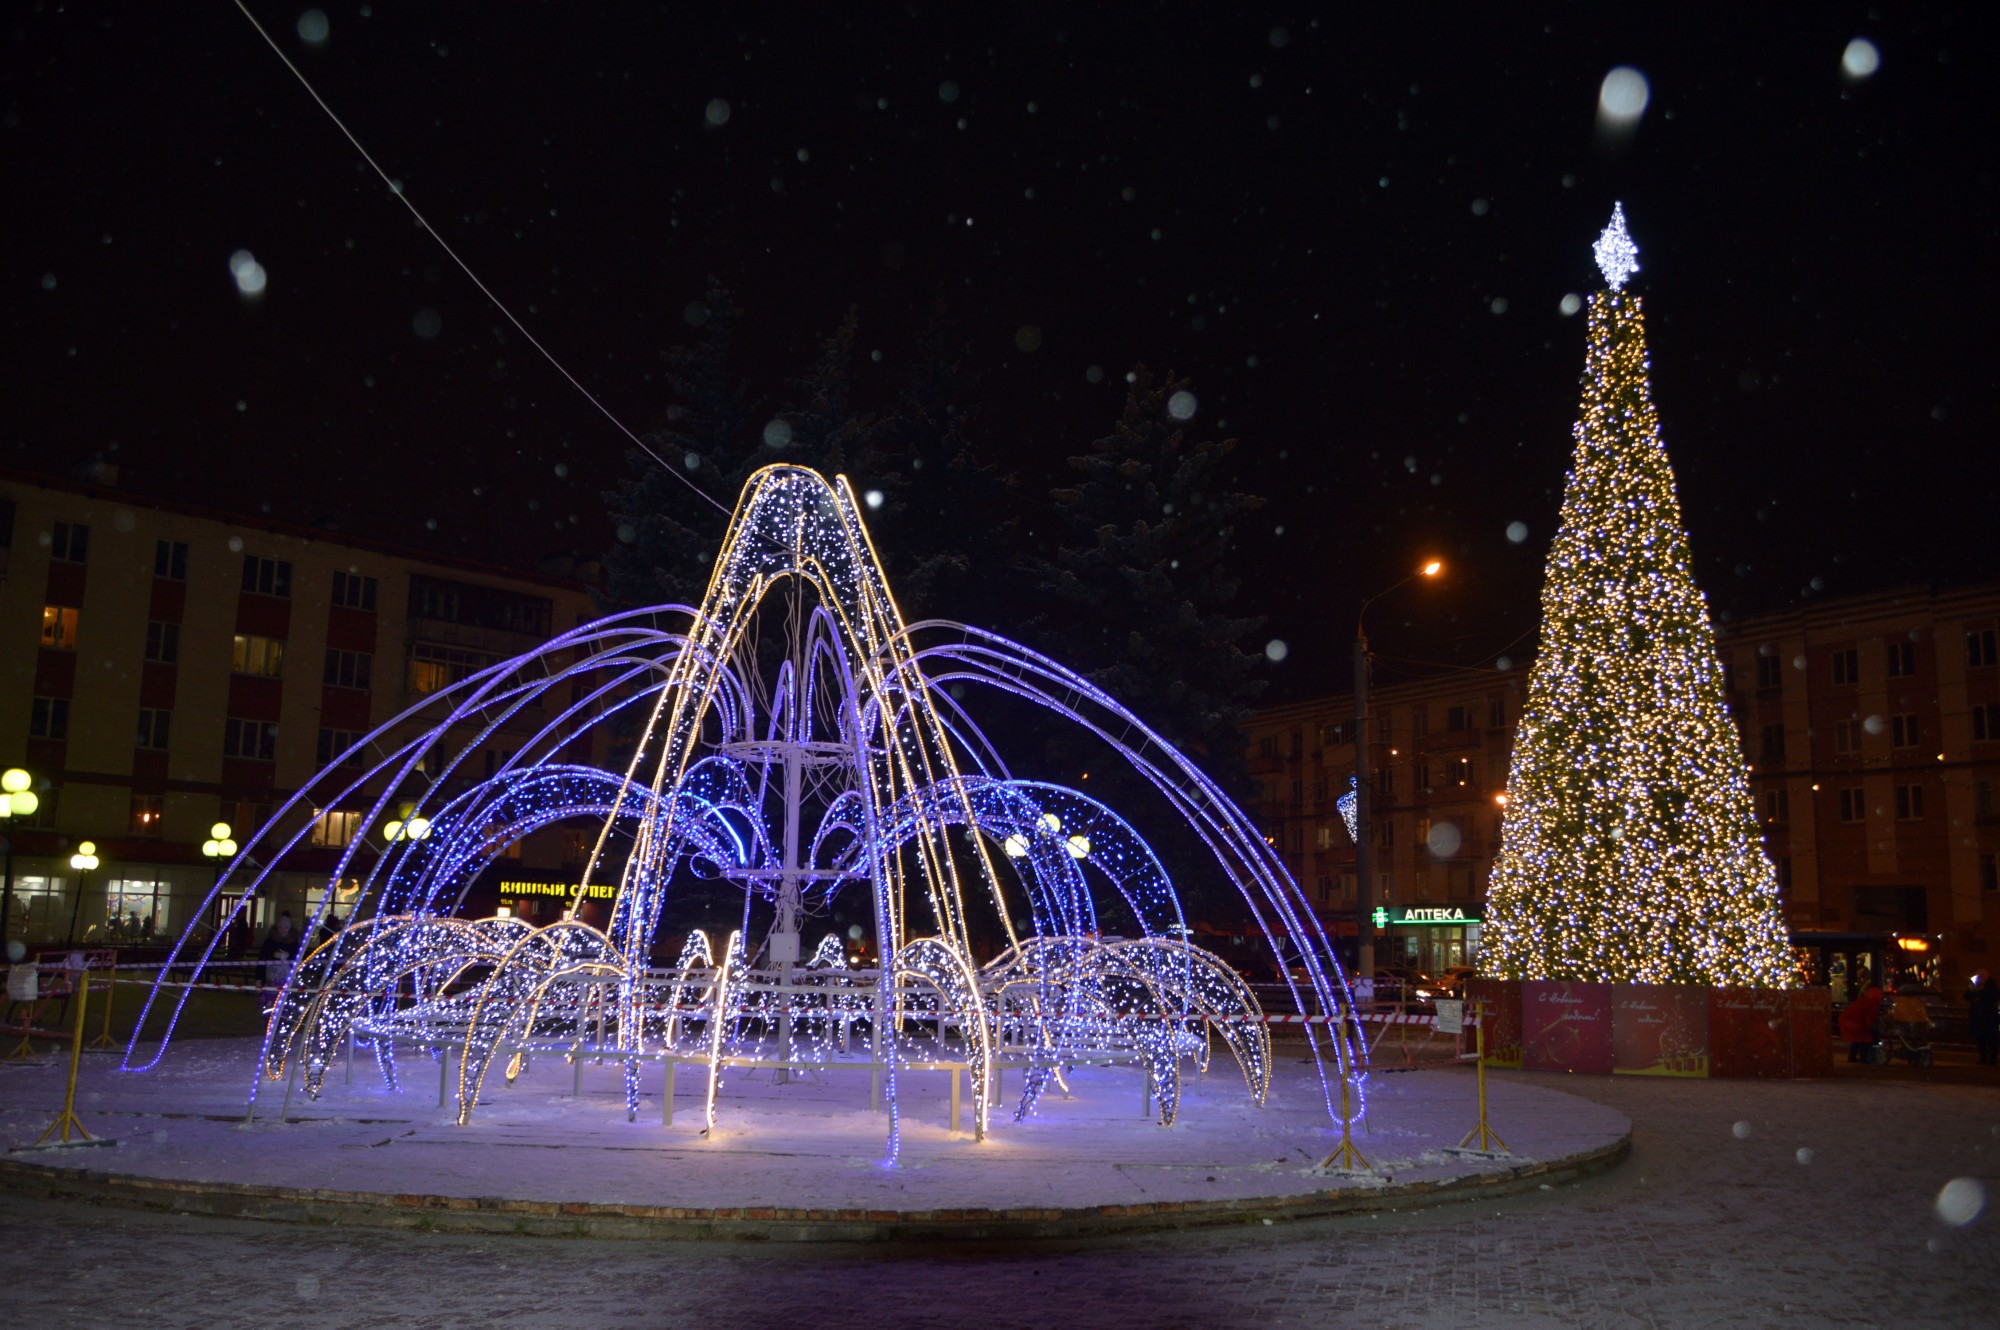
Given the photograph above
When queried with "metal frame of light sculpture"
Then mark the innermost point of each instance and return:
(865, 721)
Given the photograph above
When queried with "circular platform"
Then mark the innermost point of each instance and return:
(799, 1161)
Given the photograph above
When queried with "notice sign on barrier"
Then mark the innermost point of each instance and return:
(1450, 1016)
(1566, 1027)
(1659, 1030)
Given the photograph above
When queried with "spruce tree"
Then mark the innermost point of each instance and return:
(1143, 575)
(1629, 849)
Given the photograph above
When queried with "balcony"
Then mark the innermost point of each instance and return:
(1448, 741)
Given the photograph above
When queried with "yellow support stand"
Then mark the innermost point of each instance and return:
(1348, 1158)
(69, 1118)
(1482, 1134)
(103, 1044)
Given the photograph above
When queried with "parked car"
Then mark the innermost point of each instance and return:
(1452, 979)
(1401, 983)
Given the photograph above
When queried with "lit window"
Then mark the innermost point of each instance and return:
(334, 828)
(59, 627)
(250, 654)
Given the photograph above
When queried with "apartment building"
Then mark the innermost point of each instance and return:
(1871, 725)
(165, 667)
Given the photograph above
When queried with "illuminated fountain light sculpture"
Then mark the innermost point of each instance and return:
(828, 755)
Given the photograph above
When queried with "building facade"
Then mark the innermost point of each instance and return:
(1871, 726)
(164, 668)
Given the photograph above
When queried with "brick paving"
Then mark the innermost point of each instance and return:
(1716, 1220)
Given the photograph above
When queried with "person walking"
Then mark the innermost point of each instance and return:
(1857, 1022)
(1982, 1016)
(276, 953)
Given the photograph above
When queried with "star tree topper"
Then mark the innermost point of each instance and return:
(1617, 256)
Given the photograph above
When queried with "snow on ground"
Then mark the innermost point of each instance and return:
(811, 1143)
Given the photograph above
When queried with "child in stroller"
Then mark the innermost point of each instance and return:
(1903, 1031)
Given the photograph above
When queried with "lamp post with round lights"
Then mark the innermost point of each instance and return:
(413, 830)
(1364, 887)
(17, 799)
(218, 849)
(82, 861)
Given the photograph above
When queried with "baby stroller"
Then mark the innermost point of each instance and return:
(1903, 1032)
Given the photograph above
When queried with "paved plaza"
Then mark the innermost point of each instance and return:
(1743, 1204)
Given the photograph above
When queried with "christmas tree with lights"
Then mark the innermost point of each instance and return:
(1629, 850)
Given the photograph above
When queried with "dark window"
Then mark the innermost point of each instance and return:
(1852, 807)
(1986, 722)
(1774, 743)
(1903, 731)
(6, 524)
(334, 746)
(1420, 722)
(170, 560)
(1909, 802)
(348, 669)
(1989, 872)
(70, 543)
(1298, 743)
(1496, 713)
(1385, 782)
(1457, 718)
(1846, 666)
(1846, 737)
(163, 642)
(354, 591)
(1902, 659)
(1458, 771)
(1266, 746)
(267, 577)
(250, 738)
(1979, 648)
(1770, 672)
(1298, 791)
(479, 606)
(1784, 866)
(48, 718)
(1777, 807)
(1420, 776)
(153, 727)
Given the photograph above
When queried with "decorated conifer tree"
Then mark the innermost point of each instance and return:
(1629, 850)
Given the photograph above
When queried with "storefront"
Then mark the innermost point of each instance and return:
(1430, 938)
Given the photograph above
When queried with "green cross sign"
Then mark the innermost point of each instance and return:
(1381, 917)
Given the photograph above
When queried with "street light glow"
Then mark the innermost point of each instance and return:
(1433, 568)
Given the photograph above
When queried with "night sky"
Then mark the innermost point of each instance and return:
(1353, 230)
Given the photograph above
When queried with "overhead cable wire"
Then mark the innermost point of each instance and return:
(484, 290)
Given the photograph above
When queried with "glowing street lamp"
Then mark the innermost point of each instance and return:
(1364, 888)
(17, 799)
(413, 830)
(82, 861)
(219, 848)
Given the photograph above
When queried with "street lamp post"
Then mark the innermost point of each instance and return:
(82, 861)
(1364, 886)
(17, 799)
